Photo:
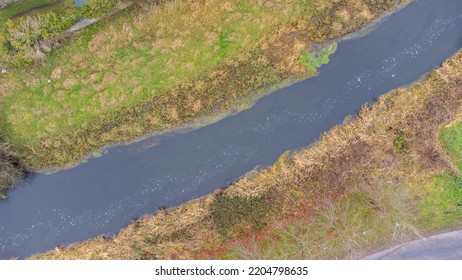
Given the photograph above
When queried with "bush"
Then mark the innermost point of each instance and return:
(30, 38)
(399, 143)
(97, 8)
(312, 60)
(234, 215)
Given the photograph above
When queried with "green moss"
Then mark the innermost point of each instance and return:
(97, 154)
(313, 59)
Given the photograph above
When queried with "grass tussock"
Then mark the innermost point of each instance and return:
(10, 168)
(249, 213)
(356, 189)
(161, 65)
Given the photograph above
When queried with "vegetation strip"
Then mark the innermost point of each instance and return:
(378, 179)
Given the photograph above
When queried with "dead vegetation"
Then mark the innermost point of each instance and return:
(354, 190)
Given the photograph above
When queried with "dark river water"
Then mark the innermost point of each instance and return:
(106, 193)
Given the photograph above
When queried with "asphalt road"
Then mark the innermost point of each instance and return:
(446, 246)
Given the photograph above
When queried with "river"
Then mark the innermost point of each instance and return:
(106, 193)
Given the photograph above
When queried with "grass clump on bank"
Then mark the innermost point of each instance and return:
(249, 213)
(343, 197)
(10, 169)
(157, 67)
(313, 59)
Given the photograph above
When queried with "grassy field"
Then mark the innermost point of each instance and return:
(156, 67)
(386, 176)
(451, 137)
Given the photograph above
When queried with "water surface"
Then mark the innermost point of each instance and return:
(105, 194)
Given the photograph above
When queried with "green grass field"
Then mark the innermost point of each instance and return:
(442, 205)
(451, 139)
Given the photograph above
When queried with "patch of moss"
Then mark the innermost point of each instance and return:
(313, 59)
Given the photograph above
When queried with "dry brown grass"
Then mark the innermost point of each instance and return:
(350, 192)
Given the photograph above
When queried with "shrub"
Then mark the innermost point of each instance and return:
(29, 39)
(312, 60)
(97, 8)
(234, 214)
(399, 143)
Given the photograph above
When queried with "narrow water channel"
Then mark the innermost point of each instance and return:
(105, 194)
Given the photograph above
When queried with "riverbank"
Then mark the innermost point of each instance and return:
(145, 71)
(386, 176)
(11, 171)
(33, 28)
